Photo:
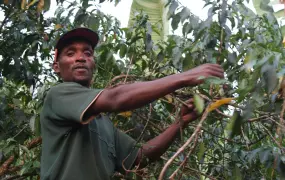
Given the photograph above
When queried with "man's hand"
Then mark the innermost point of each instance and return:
(193, 76)
(154, 148)
(188, 113)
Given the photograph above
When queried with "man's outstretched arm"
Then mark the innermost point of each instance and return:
(154, 148)
(132, 96)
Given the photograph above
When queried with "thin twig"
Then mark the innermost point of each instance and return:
(20, 131)
(277, 122)
(258, 140)
(221, 45)
(229, 140)
(221, 113)
(185, 160)
(192, 169)
(129, 68)
(268, 132)
(242, 132)
(129, 130)
(153, 124)
(182, 102)
(120, 77)
(139, 138)
(204, 116)
(257, 119)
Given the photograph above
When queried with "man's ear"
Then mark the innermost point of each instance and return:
(55, 65)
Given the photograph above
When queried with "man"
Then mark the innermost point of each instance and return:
(79, 142)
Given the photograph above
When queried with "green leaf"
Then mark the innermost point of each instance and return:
(194, 21)
(223, 14)
(160, 57)
(280, 166)
(186, 28)
(172, 7)
(37, 126)
(123, 50)
(270, 77)
(24, 148)
(149, 43)
(184, 14)
(93, 22)
(26, 167)
(32, 123)
(176, 55)
(188, 62)
(237, 173)
(175, 21)
(201, 151)
(85, 3)
(47, 5)
(253, 154)
(234, 125)
(232, 57)
(264, 6)
(215, 80)
(199, 103)
(265, 155)
(8, 150)
(37, 164)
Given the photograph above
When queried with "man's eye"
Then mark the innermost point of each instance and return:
(70, 54)
(88, 53)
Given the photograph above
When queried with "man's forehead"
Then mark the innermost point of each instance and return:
(77, 44)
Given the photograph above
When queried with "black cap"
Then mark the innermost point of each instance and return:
(80, 33)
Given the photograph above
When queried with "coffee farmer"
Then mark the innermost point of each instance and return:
(81, 143)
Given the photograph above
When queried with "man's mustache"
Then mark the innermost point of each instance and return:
(80, 66)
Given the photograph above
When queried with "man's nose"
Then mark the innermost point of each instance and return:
(81, 58)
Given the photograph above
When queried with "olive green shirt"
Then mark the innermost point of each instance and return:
(74, 148)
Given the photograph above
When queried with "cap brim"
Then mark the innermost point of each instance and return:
(83, 33)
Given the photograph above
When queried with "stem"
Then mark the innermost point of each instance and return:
(268, 132)
(129, 68)
(139, 138)
(120, 77)
(199, 126)
(192, 169)
(21, 131)
(185, 160)
(281, 122)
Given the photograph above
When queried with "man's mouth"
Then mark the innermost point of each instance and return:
(80, 67)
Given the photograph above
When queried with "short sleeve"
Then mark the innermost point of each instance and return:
(69, 101)
(126, 151)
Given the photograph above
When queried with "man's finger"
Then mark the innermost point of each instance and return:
(191, 100)
(190, 106)
(217, 74)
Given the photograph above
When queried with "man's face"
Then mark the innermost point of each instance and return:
(76, 63)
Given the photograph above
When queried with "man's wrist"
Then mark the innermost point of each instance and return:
(179, 124)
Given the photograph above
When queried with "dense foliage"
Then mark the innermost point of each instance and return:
(240, 139)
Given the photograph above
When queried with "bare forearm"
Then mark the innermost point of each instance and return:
(131, 96)
(154, 148)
